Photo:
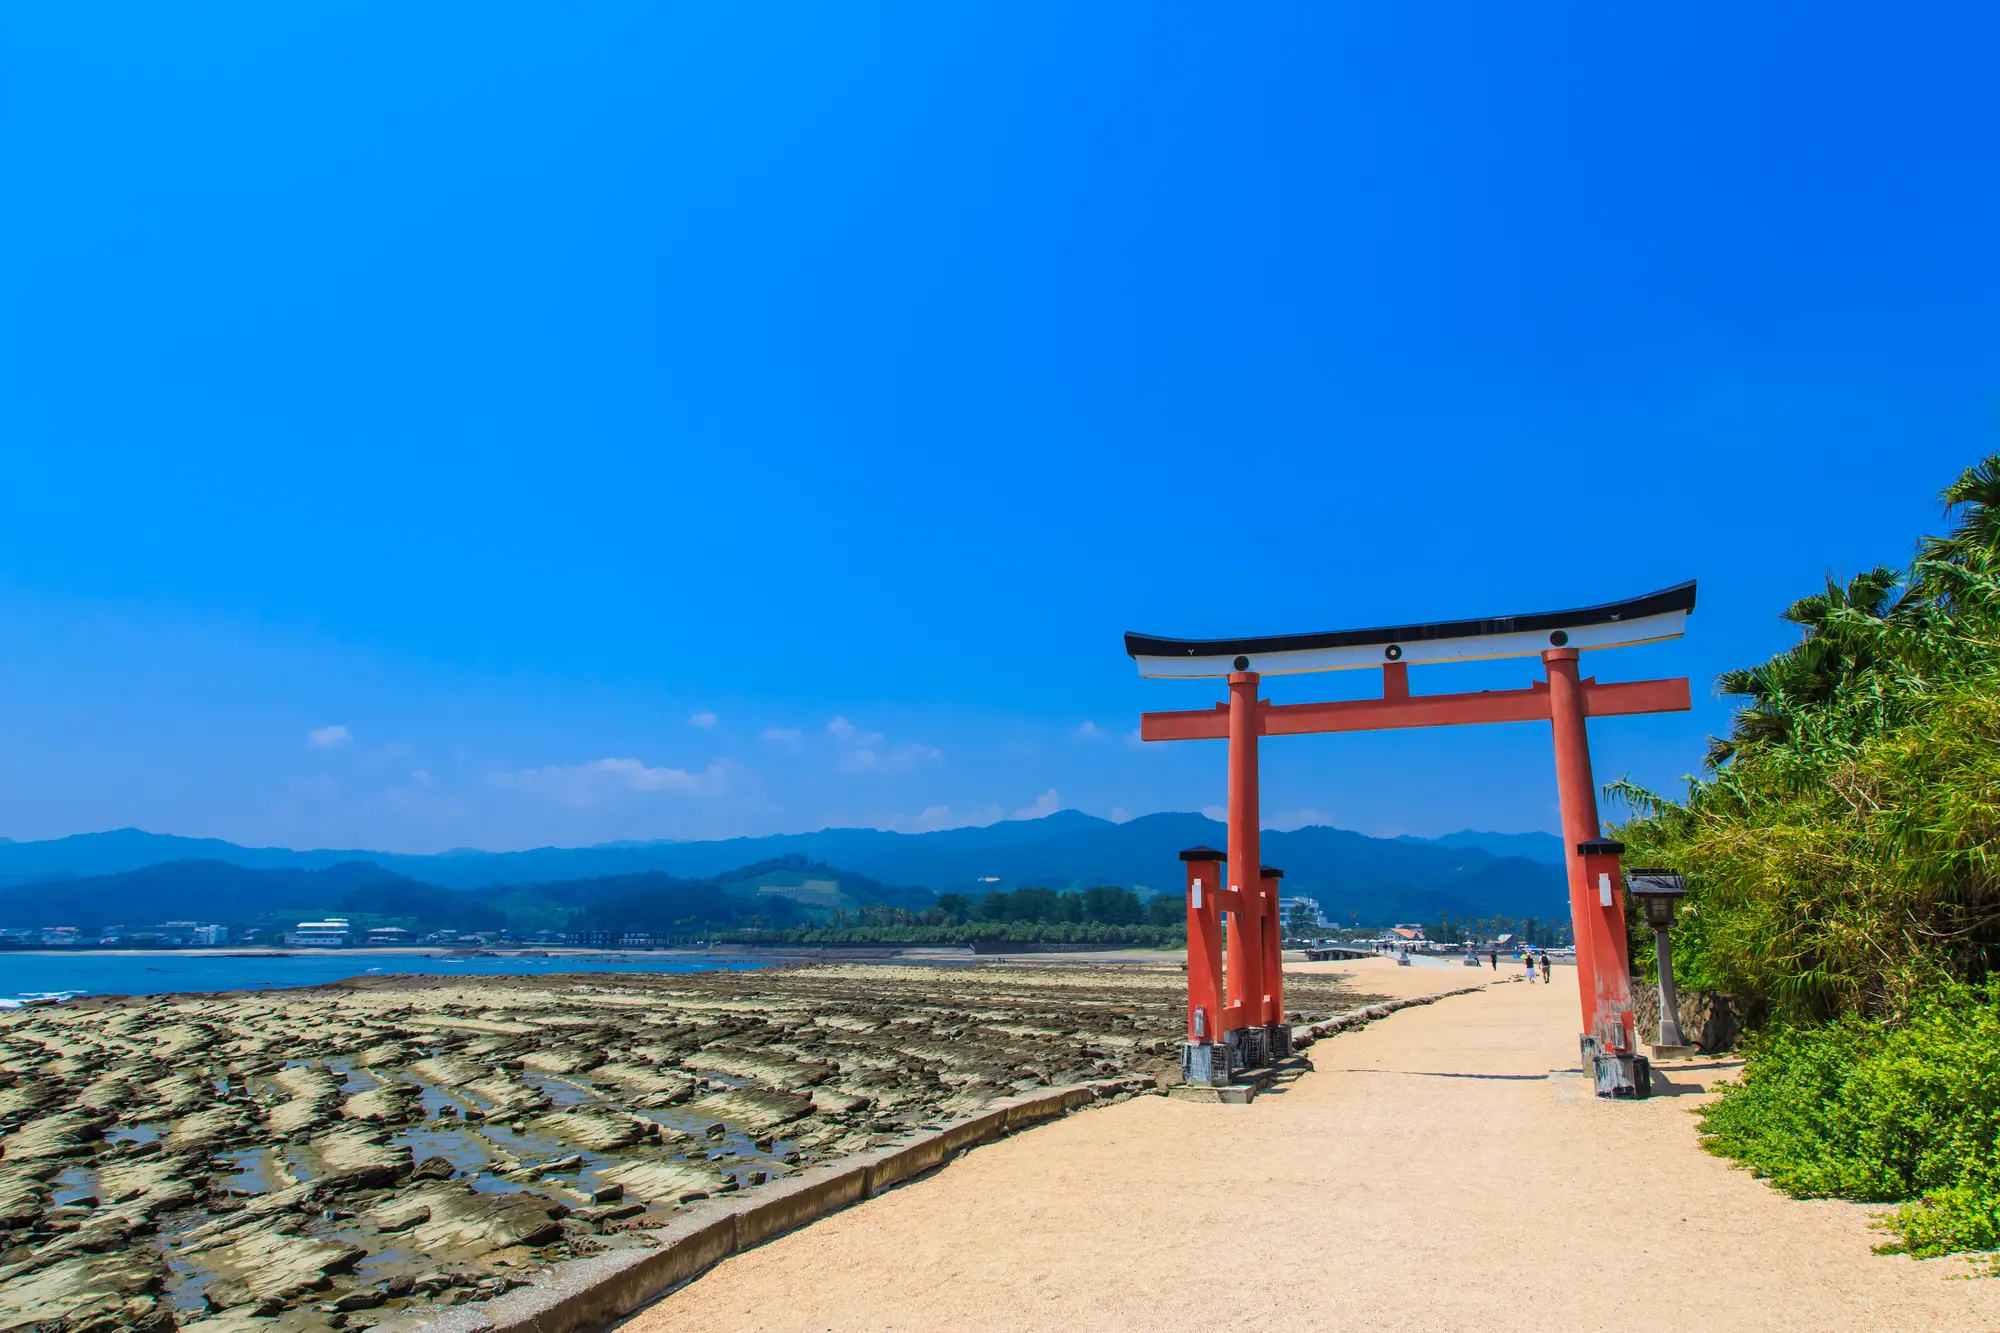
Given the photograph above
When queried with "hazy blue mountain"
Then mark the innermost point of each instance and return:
(1545, 847)
(1380, 879)
(206, 890)
(126, 849)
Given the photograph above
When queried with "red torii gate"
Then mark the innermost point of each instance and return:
(1236, 1013)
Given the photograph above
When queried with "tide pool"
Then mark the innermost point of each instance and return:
(42, 972)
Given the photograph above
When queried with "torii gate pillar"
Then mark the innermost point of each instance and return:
(1596, 894)
(1243, 1018)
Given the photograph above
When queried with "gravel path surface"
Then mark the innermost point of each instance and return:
(1430, 1175)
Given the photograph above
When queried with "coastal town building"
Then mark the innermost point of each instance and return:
(197, 933)
(331, 933)
(1287, 906)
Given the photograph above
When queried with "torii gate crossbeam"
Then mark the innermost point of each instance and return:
(1241, 999)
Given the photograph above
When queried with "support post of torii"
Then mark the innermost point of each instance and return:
(1204, 1054)
(1277, 1032)
(1252, 1026)
(1243, 1019)
(1596, 888)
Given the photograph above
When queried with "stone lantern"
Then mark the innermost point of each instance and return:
(1659, 892)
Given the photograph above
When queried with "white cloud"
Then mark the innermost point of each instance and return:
(1119, 814)
(1046, 804)
(781, 733)
(326, 738)
(900, 759)
(704, 718)
(1090, 731)
(1216, 813)
(587, 783)
(1297, 819)
(1134, 737)
(421, 801)
(864, 752)
(943, 817)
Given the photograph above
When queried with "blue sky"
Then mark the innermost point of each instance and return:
(497, 425)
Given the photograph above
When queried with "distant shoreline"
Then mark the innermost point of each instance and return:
(380, 951)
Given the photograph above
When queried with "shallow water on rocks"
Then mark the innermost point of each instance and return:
(390, 1143)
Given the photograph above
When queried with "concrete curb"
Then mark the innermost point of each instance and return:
(581, 1294)
(585, 1293)
(1305, 1034)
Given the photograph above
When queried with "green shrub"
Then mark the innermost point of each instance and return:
(1862, 1110)
(1842, 851)
(1006, 932)
(1842, 854)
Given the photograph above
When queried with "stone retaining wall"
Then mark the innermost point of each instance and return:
(1709, 1021)
(582, 1294)
(585, 1293)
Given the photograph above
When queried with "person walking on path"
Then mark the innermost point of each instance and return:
(1545, 967)
(1493, 959)
(1528, 961)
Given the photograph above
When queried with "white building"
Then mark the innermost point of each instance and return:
(1286, 906)
(328, 934)
(209, 936)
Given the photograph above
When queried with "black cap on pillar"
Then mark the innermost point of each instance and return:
(1203, 854)
(1600, 847)
(1270, 872)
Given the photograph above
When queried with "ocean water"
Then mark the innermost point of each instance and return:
(45, 972)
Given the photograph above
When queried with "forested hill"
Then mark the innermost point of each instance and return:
(784, 892)
(1373, 880)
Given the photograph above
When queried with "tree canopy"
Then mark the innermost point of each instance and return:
(1840, 846)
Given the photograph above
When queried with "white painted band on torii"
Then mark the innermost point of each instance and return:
(1471, 648)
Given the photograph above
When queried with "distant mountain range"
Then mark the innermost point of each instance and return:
(774, 893)
(1533, 846)
(1373, 880)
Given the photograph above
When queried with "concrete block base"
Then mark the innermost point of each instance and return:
(1624, 1077)
(1236, 1094)
(1243, 1089)
(1249, 1048)
(1205, 1064)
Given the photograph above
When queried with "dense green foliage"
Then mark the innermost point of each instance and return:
(1841, 849)
(1840, 854)
(686, 911)
(1549, 934)
(1861, 1109)
(1105, 906)
(977, 932)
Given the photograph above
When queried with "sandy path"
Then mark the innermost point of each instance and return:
(1428, 1176)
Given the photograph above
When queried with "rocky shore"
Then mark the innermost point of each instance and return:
(355, 1155)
